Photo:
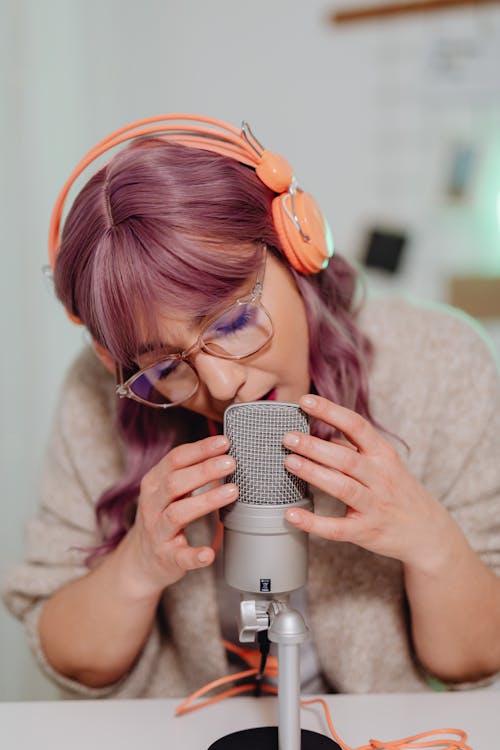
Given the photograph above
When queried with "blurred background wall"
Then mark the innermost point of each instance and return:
(394, 126)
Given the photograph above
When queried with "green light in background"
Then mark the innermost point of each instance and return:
(487, 203)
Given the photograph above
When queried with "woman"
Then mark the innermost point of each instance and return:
(173, 257)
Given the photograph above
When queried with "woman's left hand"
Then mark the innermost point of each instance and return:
(387, 510)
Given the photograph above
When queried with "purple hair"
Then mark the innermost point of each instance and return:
(168, 227)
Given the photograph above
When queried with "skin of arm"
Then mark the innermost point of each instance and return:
(454, 597)
(93, 629)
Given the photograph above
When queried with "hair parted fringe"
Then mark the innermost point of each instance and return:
(164, 227)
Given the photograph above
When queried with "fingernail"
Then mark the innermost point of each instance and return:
(221, 441)
(204, 556)
(225, 463)
(309, 401)
(290, 440)
(293, 516)
(227, 490)
(293, 462)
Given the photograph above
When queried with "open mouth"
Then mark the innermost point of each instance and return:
(269, 396)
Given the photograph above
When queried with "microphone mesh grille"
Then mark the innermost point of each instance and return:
(255, 431)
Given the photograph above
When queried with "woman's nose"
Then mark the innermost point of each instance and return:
(222, 377)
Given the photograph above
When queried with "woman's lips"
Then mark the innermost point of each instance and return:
(269, 396)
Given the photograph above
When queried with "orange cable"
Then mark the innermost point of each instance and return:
(408, 743)
(434, 738)
(252, 658)
(185, 706)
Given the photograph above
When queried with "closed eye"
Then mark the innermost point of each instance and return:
(161, 370)
(233, 321)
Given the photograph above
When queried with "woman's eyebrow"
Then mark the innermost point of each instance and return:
(152, 348)
(157, 346)
(194, 325)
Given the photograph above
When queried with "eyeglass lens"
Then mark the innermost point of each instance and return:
(240, 331)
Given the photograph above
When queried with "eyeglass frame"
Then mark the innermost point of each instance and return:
(123, 388)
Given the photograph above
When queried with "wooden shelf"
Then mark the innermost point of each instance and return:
(386, 10)
(477, 295)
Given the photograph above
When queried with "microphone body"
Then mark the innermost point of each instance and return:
(262, 553)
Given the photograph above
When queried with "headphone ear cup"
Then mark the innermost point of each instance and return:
(274, 171)
(307, 257)
(282, 225)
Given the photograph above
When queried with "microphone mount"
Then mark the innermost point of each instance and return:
(286, 627)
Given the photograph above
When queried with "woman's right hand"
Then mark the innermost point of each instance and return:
(158, 550)
(93, 629)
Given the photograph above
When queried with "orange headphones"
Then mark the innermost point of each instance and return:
(303, 233)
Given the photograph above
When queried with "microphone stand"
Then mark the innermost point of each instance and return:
(286, 627)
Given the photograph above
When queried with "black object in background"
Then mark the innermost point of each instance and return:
(384, 250)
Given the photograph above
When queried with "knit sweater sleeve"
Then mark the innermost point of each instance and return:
(463, 454)
(463, 460)
(82, 460)
(436, 386)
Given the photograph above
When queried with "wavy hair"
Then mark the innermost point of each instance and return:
(165, 227)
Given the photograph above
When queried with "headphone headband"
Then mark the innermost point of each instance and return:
(227, 140)
(303, 232)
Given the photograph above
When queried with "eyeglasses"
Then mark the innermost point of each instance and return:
(238, 332)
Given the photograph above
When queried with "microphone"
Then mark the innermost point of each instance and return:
(262, 553)
(265, 558)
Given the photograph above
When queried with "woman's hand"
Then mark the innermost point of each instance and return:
(157, 546)
(93, 629)
(387, 510)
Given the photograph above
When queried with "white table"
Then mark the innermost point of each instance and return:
(151, 724)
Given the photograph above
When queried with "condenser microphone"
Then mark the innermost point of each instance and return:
(265, 558)
(262, 553)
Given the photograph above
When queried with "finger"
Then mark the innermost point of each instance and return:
(180, 457)
(344, 442)
(177, 515)
(355, 427)
(184, 481)
(191, 558)
(191, 454)
(160, 487)
(337, 529)
(334, 455)
(335, 483)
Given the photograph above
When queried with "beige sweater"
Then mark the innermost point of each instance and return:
(434, 383)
